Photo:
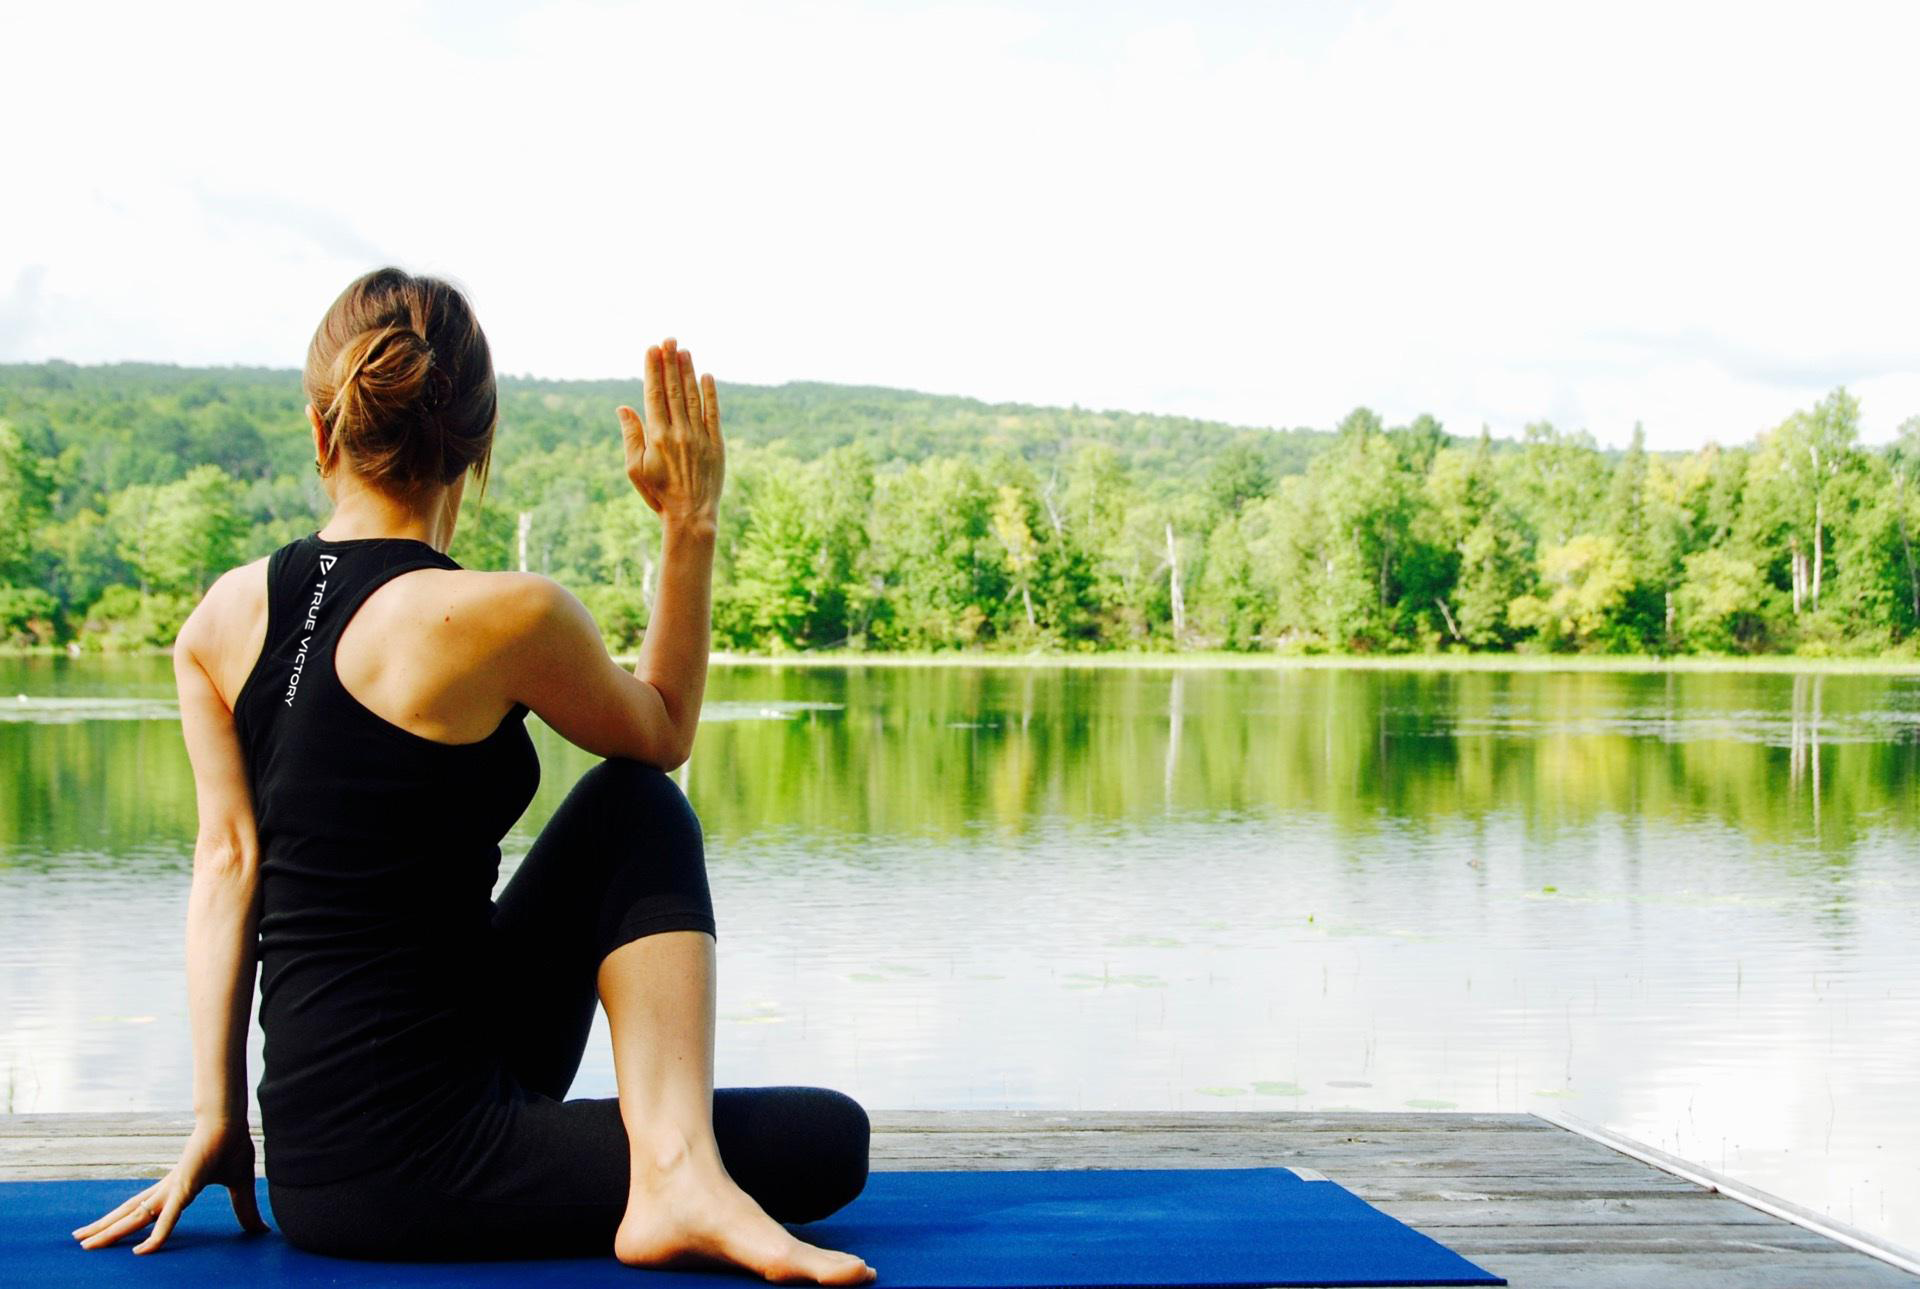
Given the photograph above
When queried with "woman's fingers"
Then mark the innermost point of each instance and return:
(114, 1214)
(710, 399)
(676, 397)
(631, 423)
(656, 388)
(633, 432)
(246, 1207)
(163, 1225)
(127, 1224)
(696, 414)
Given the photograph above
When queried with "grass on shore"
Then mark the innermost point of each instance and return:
(1218, 658)
(1377, 662)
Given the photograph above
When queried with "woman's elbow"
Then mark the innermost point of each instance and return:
(670, 758)
(224, 860)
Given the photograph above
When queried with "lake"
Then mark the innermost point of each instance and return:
(1683, 905)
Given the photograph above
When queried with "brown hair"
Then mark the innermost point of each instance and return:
(401, 373)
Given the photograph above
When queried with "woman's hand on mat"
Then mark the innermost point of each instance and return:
(675, 456)
(214, 1154)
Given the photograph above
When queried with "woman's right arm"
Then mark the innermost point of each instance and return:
(554, 657)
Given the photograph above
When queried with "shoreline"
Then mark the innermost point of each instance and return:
(1223, 660)
(1765, 663)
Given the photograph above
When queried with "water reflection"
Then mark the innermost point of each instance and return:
(1681, 904)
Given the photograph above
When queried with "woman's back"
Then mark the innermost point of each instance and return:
(379, 853)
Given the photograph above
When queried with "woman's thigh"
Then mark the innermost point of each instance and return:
(546, 1178)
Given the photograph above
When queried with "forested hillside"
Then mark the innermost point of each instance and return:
(883, 519)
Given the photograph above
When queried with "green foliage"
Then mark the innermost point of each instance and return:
(1585, 581)
(125, 618)
(1719, 602)
(620, 611)
(178, 536)
(26, 615)
(881, 519)
(26, 489)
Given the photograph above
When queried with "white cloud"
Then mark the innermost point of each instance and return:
(1694, 216)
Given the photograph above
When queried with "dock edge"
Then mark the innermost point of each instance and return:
(1753, 1197)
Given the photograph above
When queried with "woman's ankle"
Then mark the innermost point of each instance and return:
(668, 1147)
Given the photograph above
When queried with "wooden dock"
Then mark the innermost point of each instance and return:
(1542, 1203)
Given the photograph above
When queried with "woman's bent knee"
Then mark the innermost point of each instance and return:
(624, 775)
(842, 1137)
(648, 850)
(623, 793)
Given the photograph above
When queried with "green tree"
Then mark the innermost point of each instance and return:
(1585, 580)
(1799, 465)
(1239, 474)
(1479, 547)
(26, 491)
(1556, 482)
(1019, 548)
(1718, 600)
(1353, 523)
(178, 536)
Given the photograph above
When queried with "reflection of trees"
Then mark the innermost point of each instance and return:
(1176, 719)
(1803, 746)
(947, 750)
(944, 749)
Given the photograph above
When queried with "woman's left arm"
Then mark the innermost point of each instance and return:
(221, 951)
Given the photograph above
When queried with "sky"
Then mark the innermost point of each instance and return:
(1692, 216)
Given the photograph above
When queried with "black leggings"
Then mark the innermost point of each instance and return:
(529, 1173)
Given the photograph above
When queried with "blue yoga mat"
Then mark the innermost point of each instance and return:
(1020, 1229)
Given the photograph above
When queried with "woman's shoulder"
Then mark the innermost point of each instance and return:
(488, 610)
(226, 629)
(505, 597)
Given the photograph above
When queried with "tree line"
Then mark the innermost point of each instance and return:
(875, 519)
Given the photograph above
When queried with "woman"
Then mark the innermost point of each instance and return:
(353, 709)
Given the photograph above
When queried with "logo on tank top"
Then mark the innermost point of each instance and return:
(313, 611)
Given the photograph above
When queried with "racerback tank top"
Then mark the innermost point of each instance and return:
(379, 851)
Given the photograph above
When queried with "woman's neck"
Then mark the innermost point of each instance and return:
(361, 512)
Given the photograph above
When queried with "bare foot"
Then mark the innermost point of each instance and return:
(684, 1211)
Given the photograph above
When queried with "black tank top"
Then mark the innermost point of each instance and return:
(379, 852)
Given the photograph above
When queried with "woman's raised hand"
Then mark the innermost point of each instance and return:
(675, 456)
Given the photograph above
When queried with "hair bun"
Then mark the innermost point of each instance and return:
(377, 377)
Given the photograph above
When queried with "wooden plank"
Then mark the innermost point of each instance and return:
(1696, 1271)
(1514, 1212)
(1626, 1237)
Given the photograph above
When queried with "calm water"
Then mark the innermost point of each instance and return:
(1684, 906)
